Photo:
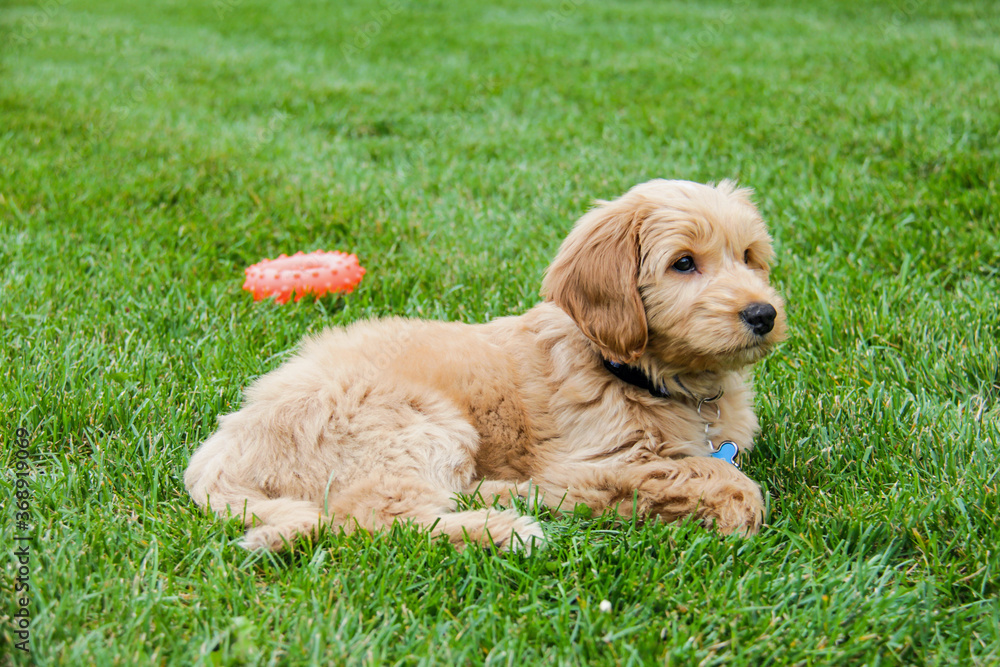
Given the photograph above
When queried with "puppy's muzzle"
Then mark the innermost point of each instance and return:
(759, 317)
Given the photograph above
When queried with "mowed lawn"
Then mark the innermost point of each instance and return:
(149, 151)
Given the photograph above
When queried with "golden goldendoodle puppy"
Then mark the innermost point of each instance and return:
(613, 392)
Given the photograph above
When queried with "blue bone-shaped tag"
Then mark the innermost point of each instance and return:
(727, 451)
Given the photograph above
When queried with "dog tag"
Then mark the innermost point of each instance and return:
(727, 451)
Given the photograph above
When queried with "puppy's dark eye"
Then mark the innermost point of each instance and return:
(746, 256)
(685, 264)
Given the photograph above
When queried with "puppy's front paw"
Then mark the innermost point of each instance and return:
(735, 507)
(713, 490)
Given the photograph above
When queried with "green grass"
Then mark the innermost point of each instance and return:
(151, 151)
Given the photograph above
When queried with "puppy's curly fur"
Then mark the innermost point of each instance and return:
(387, 420)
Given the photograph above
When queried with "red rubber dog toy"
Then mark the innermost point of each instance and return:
(315, 273)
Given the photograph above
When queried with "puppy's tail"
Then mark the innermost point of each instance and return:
(274, 521)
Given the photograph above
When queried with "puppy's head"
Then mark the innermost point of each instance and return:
(675, 270)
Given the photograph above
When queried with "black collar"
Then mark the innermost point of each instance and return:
(635, 377)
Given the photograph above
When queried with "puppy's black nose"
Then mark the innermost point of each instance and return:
(759, 317)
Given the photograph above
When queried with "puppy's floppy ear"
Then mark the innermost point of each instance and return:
(594, 278)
